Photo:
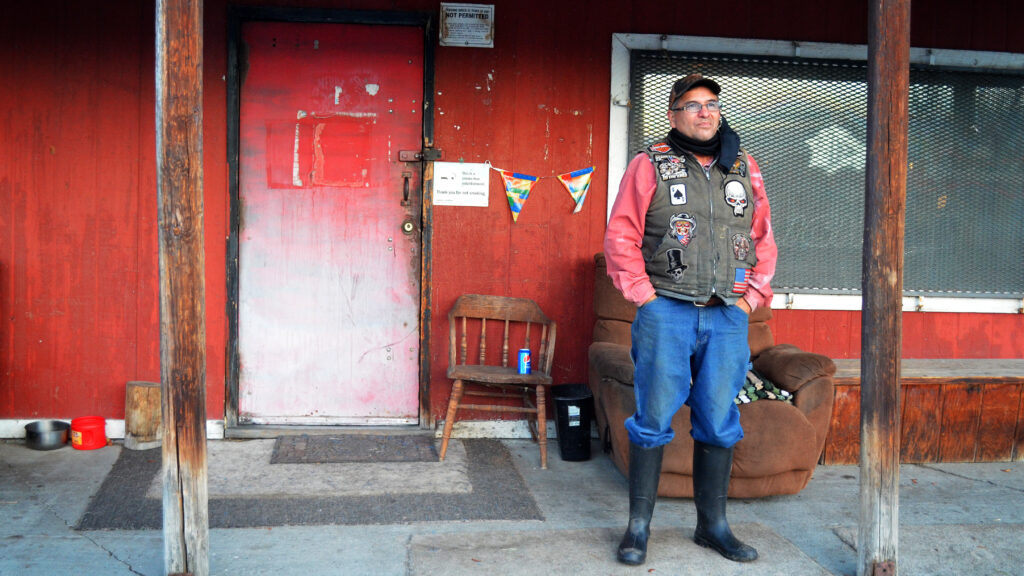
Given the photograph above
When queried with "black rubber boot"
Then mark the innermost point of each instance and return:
(644, 473)
(712, 466)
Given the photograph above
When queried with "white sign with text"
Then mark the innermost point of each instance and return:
(470, 25)
(461, 184)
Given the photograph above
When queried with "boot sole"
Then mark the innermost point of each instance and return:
(638, 560)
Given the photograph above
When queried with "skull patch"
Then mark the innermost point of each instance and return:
(740, 246)
(736, 196)
(682, 227)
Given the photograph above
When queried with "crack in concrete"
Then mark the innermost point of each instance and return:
(70, 526)
(89, 538)
(963, 477)
(111, 554)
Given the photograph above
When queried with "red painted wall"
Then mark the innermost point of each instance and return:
(78, 241)
(78, 250)
(837, 334)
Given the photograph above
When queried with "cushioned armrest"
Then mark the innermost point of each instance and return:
(789, 367)
(612, 361)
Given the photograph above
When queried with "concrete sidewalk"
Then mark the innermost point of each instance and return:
(955, 519)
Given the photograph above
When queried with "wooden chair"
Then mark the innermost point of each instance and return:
(489, 379)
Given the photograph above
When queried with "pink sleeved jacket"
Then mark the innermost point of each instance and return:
(625, 233)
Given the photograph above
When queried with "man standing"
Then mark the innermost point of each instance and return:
(678, 245)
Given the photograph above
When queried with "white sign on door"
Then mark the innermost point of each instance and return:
(461, 184)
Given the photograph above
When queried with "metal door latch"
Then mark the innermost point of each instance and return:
(425, 155)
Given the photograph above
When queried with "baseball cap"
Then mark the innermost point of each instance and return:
(683, 85)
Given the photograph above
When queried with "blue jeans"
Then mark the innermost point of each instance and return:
(686, 354)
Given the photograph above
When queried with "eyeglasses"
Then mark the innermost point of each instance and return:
(694, 107)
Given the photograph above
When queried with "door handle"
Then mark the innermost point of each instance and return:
(406, 177)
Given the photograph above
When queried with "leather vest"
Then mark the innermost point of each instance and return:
(697, 240)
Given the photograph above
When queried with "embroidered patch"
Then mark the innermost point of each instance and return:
(739, 167)
(740, 246)
(736, 196)
(675, 265)
(677, 194)
(682, 226)
(739, 283)
(661, 147)
(670, 170)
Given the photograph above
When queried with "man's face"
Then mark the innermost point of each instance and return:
(700, 126)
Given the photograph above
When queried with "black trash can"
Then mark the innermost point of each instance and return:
(574, 412)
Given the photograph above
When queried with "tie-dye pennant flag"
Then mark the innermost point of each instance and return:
(577, 183)
(517, 188)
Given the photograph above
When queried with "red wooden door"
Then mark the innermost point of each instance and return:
(329, 240)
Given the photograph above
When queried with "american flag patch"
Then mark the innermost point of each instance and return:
(739, 283)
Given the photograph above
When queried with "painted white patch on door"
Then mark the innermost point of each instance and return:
(296, 174)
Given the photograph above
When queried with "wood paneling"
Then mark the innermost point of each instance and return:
(920, 422)
(843, 443)
(78, 241)
(1018, 437)
(961, 409)
(952, 411)
(998, 423)
(69, 193)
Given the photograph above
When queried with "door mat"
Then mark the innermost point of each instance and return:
(495, 491)
(353, 448)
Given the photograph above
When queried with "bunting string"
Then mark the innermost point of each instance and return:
(518, 187)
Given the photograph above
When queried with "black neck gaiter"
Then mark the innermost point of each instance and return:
(725, 144)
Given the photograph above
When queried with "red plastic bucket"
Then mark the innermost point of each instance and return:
(88, 433)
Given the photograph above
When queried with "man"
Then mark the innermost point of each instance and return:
(678, 245)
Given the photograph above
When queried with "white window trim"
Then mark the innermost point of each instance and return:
(618, 134)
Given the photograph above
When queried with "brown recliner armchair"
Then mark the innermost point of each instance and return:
(782, 442)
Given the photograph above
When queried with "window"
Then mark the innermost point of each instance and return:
(804, 120)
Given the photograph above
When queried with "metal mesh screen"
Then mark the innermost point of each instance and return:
(805, 123)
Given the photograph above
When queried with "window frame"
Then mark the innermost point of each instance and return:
(618, 134)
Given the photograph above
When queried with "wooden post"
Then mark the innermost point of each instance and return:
(179, 158)
(882, 281)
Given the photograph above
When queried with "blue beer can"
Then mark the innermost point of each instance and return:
(524, 360)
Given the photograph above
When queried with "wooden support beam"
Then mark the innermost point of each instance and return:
(882, 282)
(179, 158)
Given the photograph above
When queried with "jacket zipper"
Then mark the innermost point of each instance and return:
(710, 226)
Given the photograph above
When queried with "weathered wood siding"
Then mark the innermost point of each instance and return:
(950, 411)
(78, 241)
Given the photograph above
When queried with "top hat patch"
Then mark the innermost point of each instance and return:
(675, 265)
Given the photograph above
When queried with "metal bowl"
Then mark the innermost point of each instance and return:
(46, 434)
